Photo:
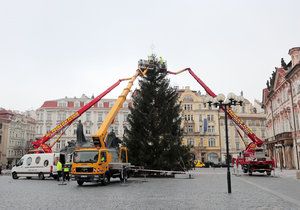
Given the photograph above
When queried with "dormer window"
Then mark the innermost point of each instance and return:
(77, 104)
(62, 104)
(100, 104)
(188, 98)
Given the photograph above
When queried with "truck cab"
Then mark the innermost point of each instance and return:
(91, 165)
(99, 165)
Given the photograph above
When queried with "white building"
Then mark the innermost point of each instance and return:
(53, 112)
(16, 134)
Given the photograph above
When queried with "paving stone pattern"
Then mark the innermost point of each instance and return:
(208, 190)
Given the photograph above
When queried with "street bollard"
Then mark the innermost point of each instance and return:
(298, 174)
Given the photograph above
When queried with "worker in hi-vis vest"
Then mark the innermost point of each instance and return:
(59, 169)
(66, 173)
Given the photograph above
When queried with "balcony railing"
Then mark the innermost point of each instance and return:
(283, 136)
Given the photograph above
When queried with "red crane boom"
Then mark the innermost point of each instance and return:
(250, 160)
(257, 141)
(42, 141)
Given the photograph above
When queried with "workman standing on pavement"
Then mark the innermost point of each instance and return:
(66, 175)
(59, 169)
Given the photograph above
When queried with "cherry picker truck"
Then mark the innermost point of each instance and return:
(253, 158)
(100, 163)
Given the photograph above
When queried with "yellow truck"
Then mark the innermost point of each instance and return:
(100, 163)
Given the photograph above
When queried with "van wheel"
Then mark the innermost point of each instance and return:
(28, 177)
(106, 180)
(15, 175)
(268, 173)
(80, 183)
(41, 176)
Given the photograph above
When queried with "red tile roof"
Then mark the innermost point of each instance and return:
(6, 115)
(49, 104)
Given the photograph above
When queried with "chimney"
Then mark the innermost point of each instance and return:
(295, 55)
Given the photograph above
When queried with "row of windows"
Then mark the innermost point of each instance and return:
(211, 142)
(189, 117)
(100, 104)
(37, 161)
(16, 143)
(14, 134)
(209, 129)
(188, 106)
(62, 116)
(15, 152)
(246, 122)
(210, 118)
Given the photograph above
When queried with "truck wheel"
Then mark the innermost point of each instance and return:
(80, 183)
(106, 180)
(15, 175)
(268, 173)
(41, 176)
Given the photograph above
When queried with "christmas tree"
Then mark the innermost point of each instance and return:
(154, 136)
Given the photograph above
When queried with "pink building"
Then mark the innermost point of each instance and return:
(281, 100)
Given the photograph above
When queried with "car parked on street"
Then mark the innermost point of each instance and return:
(198, 164)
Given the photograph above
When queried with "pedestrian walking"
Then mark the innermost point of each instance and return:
(59, 169)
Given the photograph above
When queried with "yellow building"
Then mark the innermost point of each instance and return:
(204, 127)
(200, 126)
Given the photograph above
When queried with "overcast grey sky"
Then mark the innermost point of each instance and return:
(52, 49)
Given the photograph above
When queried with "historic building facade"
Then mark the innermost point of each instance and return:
(53, 112)
(204, 126)
(253, 116)
(281, 100)
(17, 131)
(200, 126)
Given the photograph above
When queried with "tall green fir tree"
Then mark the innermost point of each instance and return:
(154, 136)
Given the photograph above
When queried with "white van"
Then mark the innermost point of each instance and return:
(37, 165)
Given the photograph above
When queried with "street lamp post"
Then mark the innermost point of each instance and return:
(219, 101)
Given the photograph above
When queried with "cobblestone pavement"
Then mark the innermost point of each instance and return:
(208, 190)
